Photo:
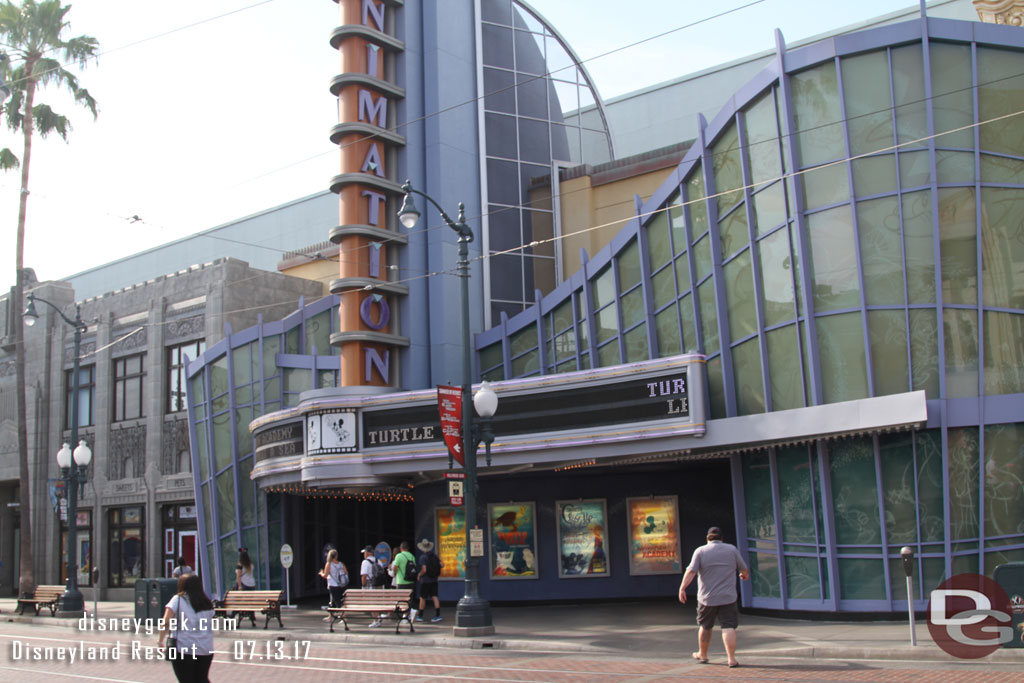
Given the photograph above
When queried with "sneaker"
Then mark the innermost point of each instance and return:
(436, 619)
(375, 624)
(419, 618)
(326, 619)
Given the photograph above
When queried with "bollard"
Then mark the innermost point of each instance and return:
(907, 555)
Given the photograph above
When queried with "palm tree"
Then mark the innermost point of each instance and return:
(30, 35)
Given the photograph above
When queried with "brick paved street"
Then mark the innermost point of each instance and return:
(249, 657)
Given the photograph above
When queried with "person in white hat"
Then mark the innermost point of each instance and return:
(430, 569)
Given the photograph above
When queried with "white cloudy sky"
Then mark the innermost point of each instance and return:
(215, 109)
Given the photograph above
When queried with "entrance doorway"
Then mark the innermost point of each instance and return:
(313, 524)
(180, 537)
(187, 542)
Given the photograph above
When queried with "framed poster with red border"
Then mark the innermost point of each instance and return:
(653, 533)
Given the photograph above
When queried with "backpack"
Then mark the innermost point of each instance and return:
(380, 577)
(433, 566)
(411, 570)
(339, 574)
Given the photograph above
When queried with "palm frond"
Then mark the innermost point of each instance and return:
(8, 161)
(80, 50)
(30, 35)
(47, 121)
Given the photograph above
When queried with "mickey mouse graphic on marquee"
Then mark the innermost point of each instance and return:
(338, 427)
(330, 433)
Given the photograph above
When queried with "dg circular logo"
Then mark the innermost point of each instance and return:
(969, 616)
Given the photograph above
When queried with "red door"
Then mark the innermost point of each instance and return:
(187, 548)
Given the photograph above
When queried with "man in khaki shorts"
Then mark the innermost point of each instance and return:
(715, 565)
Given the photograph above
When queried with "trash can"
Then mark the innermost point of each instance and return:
(141, 598)
(1010, 577)
(160, 593)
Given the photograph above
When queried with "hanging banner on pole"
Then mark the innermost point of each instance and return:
(449, 405)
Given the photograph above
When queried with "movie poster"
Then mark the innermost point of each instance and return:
(654, 535)
(582, 538)
(513, 540)
(451, 541)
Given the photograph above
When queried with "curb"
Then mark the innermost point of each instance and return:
(377, 638)
(921, 653)
(926, 652)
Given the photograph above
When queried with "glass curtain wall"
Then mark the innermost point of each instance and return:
(850, 229)
(530, 80)
(250, 373)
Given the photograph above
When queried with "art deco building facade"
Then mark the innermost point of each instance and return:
(799, 319)
(832, 267)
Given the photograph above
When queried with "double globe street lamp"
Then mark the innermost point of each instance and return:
(473, 613)
(73, 473)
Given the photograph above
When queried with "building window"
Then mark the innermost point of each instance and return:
(126, 552)
(176, 372)
(128, 374)
(86, 392)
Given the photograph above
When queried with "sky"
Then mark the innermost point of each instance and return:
(212, 110)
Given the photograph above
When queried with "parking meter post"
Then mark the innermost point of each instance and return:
(907, 556)
(95, 590)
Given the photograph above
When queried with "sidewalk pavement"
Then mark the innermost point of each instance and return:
(654, 629)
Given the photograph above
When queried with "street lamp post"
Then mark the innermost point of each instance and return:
(71, 603)
(473, 613)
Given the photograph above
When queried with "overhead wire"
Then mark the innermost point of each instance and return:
(395, 128)
(531, 204)
(424, 117)
(638, 216)
(149, 38)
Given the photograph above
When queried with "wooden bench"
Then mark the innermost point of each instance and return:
(374, 602)
(247, 603)
(44, 596)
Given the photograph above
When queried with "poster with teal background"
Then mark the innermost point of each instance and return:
(582, 538)
(513, 540)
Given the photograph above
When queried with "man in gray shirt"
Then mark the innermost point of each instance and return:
(715, 565)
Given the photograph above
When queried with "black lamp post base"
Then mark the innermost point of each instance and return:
(473, 618)
(472, 631)
(71, 605)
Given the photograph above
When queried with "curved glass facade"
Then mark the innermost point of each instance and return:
(251, 373)
(531, 77)
(848, 227)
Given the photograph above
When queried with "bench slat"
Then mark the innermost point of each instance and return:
(43, 596)
(373, 602)
(244, 603)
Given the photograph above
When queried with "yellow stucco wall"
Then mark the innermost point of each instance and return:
(608, 205)
(320, 270)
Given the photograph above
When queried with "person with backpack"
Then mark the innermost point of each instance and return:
(372, 576)
(337, 578)
(404, 567)
(429, 571)
(368, 569)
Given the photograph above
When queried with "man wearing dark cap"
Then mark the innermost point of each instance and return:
(715, 565)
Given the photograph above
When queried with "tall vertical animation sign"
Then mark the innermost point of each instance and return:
(366, 187)
(449, 405)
